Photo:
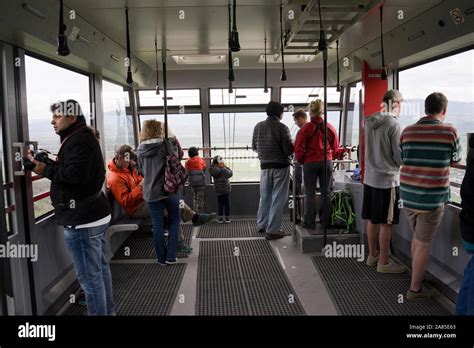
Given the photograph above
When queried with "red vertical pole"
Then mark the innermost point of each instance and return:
(373, 90)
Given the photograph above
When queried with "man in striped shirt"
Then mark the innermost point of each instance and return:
(428, 148)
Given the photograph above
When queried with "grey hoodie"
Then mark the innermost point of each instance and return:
(382, 151)
(151, 158)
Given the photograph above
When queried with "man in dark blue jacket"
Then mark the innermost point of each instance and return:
(465, 303)
(79, 204)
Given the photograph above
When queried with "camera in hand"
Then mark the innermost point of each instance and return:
(40, 156)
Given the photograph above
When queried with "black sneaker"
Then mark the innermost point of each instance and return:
(220, 220)
(171, 262)
(261, 230)
(273, 236)
(227, 220)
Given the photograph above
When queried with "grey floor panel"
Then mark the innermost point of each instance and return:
(360, 290)
(242, 228)
(270, 297)
(252, 283)
(141, 289)
(140, 245)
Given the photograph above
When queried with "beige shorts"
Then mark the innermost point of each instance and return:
(423, 224)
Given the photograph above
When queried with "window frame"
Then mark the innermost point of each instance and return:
(154, 107)
(340, 103)
(92, 119)
(211, 106)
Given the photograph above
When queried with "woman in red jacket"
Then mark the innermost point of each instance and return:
(309, 147)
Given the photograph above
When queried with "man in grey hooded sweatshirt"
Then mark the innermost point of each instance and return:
(382, 180)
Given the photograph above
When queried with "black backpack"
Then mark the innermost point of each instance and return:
(342, 211)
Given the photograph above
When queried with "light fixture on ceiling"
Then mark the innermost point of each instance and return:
(63, 50)
(265, 83)
(283, 73)
(200, 59)
(117, 59)
(322, 44)
(383, 74)
(129, 69)
(338, 85)
(34, 11)
(231, 76)
(157, 89)
(234, 44)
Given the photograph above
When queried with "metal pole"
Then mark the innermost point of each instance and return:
(325, 176)
(165, 98)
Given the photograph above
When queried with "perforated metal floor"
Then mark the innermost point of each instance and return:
(243, 277)
(238, 229)
(140, 245)
(360, 290)
(141, 289)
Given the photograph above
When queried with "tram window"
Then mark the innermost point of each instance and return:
(454, 78)
(118, 126)
(353, 117)
(61, 84)
(186, 127)
(175, 97)
(229, 130)
(240, 96)
(304, 95)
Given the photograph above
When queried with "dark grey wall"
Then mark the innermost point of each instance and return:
(244, 199)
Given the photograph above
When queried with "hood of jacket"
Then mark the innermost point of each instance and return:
(113, 167)
(379, 119)
(150, 147)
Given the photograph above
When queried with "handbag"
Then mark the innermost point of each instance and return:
(175, 173)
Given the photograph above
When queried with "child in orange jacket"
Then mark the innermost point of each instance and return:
(195, 167)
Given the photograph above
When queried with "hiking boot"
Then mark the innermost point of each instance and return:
(220, 220)
(227, 220)
(184, 249)
(273, 236)
(171, 262)
(391, 267)
(204, 219)
(372, 261)
(423, 294)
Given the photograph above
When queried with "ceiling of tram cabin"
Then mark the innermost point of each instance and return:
(204, 27)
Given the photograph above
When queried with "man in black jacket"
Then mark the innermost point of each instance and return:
(79, 204)
(272, 141)
(465, 302)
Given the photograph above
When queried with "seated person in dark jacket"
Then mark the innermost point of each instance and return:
(79, 204)
(127, 187)
(465, 302)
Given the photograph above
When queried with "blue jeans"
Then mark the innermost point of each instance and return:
(274, 190)
(465, 302)
(88, 247)
(171, 203)
(223, 204)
